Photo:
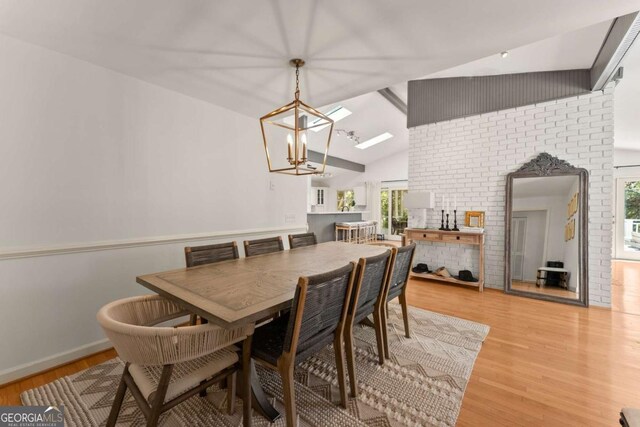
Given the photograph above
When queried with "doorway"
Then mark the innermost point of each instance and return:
(627, 223)
(393, 215)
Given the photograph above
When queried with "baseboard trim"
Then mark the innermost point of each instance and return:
(29, 369)
(148, 241)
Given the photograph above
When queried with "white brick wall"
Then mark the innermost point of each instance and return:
(470, 158)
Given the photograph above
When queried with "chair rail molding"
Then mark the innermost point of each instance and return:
(30, 252)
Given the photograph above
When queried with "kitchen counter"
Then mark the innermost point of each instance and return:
(323, 224)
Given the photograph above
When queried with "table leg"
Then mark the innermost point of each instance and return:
(250, 379)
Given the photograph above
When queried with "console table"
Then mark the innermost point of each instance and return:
(454, 237)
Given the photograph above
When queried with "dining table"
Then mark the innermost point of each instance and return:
(248, 290)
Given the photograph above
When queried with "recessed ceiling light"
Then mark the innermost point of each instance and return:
(375, 140)
(504, 54)
(336, 114)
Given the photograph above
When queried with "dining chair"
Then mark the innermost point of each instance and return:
(209, 254)
(300, 240)
(317, 318)
(402, 260)
(166, 365)
(367, 297)
(263, 246)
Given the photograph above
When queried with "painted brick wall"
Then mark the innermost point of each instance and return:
(470, 158)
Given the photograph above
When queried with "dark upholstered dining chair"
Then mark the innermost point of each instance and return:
(300, 240)
(209, 254)
(367, 297)
(317, 318)
(263, 246)
(402, 259)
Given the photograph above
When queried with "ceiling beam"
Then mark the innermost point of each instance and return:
(336, 162)
(621, 36)
(394, 99)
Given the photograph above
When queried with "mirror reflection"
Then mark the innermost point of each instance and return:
(544, 236)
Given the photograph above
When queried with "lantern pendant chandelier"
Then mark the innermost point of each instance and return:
(286, 137)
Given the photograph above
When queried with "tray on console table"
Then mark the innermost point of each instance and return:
(455, 237)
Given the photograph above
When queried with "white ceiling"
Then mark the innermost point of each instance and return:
(569, 51)
(234, 53)
(371, 116)
(627, 103)
(550, 186)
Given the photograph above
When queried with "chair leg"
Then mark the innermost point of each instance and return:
(203, 392)
(378, 322)
(117, 402)
(385, 330)
(288, 391)
(405, 314)
(351, 359)
(231, 394)
(338, 346)
(161, 392)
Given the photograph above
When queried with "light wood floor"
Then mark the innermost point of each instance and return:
(543, 364)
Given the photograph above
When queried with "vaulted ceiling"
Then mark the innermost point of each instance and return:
(234, 53)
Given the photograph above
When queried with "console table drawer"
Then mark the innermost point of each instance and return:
(460, 239)
(426, 236)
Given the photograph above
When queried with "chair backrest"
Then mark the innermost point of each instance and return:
(401, 265)
(370, 282)
(300, 240)
(319, 309)
(263, 246)
(129, 325)
(209, 254)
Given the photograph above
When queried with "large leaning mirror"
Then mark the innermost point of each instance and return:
(546, 231)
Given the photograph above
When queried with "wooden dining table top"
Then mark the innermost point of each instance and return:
(245, 290)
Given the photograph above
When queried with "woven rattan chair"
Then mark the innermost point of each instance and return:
(165, 365)
(209, 254)
(402, 260)
(263, 246)
(317, 318)
(368, 297)
(300, 240)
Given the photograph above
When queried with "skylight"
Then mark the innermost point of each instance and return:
(336, 114)
(375, 140)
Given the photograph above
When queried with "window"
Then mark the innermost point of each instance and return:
(345, 200)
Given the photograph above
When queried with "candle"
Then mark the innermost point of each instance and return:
(447, 204)
(290, 147)
(455, 203)
(443, 202)
(304, 146)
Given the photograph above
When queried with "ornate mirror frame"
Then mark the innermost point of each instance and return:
(546, 165)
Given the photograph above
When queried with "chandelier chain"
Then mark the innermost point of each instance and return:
(297, 82)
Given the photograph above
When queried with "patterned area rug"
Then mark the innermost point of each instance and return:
(422, 385)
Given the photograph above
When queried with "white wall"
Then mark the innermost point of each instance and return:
(534, 242)
(392, 168)
(471, 157)
(92, 156)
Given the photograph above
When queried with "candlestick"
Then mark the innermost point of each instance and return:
(447, 227)
(455, 220)
(442, 221)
